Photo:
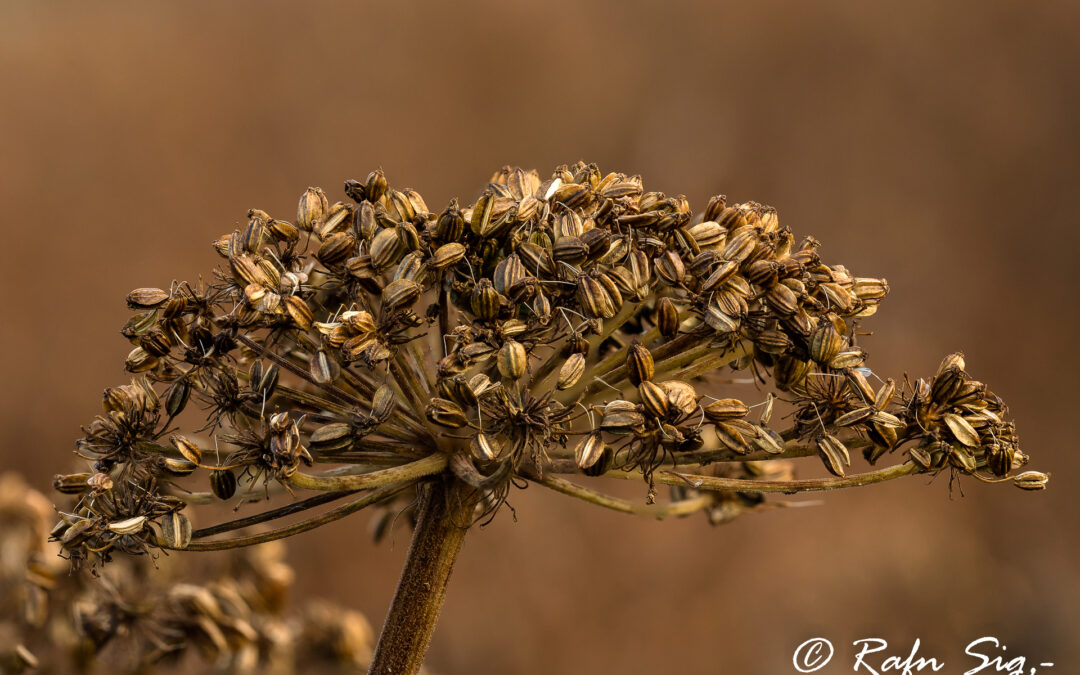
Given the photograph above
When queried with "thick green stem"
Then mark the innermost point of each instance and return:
(444, 513)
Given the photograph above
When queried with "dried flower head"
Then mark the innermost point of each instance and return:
(573, 324)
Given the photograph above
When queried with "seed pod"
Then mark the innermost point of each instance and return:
(176, 397)
(961, 458)
(782, 299)
(447, 256)
(335, 435)
(588, 451)
(670, 268)
(886, 420)
(667, 318)
(571, 371)
(608, 282)
(512, 360)
(146, 298)
(175, 530)
(681, 396)
(731, 438)
(885, 394)
(870, 289)
(323, 370)
(400, 294)
(283, 231)
(298, 311)
(921, 457)
(594, 299)
(855, 416)
(139, 361)
(485, 447)
(769, 441)
(859, 385)
(725, 409)
(720, 275)
(946, 384)
(446, 413)
(382, 403)
(375, 185)
(766, 410)
(128, 526)
(312, 209)
(386, 248)
(1031, 480)
(1000, 459)
(179, 467)
(772, 341)
(223, 483)
(485, 301)
(825, 342)
(639, 364)
(73, 483)
(188, 450)
(962, 430)
(654, 399)
(852, 358)
(620, 416)
(720, 321)
(708, 233)
(833, 453)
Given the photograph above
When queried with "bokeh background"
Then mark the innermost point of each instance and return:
(934, 144)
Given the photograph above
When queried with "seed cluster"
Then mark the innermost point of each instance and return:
(131, 618)
(558, 325)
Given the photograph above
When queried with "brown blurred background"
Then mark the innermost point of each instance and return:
(934, 145)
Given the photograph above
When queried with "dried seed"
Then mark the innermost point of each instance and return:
(855, 416)
(188, 450)
(400, 294)
(769, 441)
(852, 358)
(146, 298)
(681, 396)
(654, 398)
(446, 413)
(298, 311)
(621, 416)
(639, 364)
(571, 371)
(766, 410)
(176, 530)
(512, 360)
(382, 403)
(485, 447)
(962, 430)
(725, 409)
(833, 453)
(667, 318)
(128, 526)
(223, 483)
(311, 209)
(825, 343)
(179, 467)
(885, 394)
(731, 438)
(485, 301)
(331, 434)
(782, 299)
(1031, 480)
(589, 450)
(176, 397)
(323, 370)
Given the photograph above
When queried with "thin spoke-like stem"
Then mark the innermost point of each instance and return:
(655, 511)
(783, 486)
(340, 512)
(431, 464)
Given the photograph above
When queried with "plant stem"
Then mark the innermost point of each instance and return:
(444, 513)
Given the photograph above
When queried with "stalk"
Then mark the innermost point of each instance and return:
(444, 512)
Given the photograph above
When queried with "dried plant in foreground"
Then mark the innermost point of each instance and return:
(137, 617)
(552, 328)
